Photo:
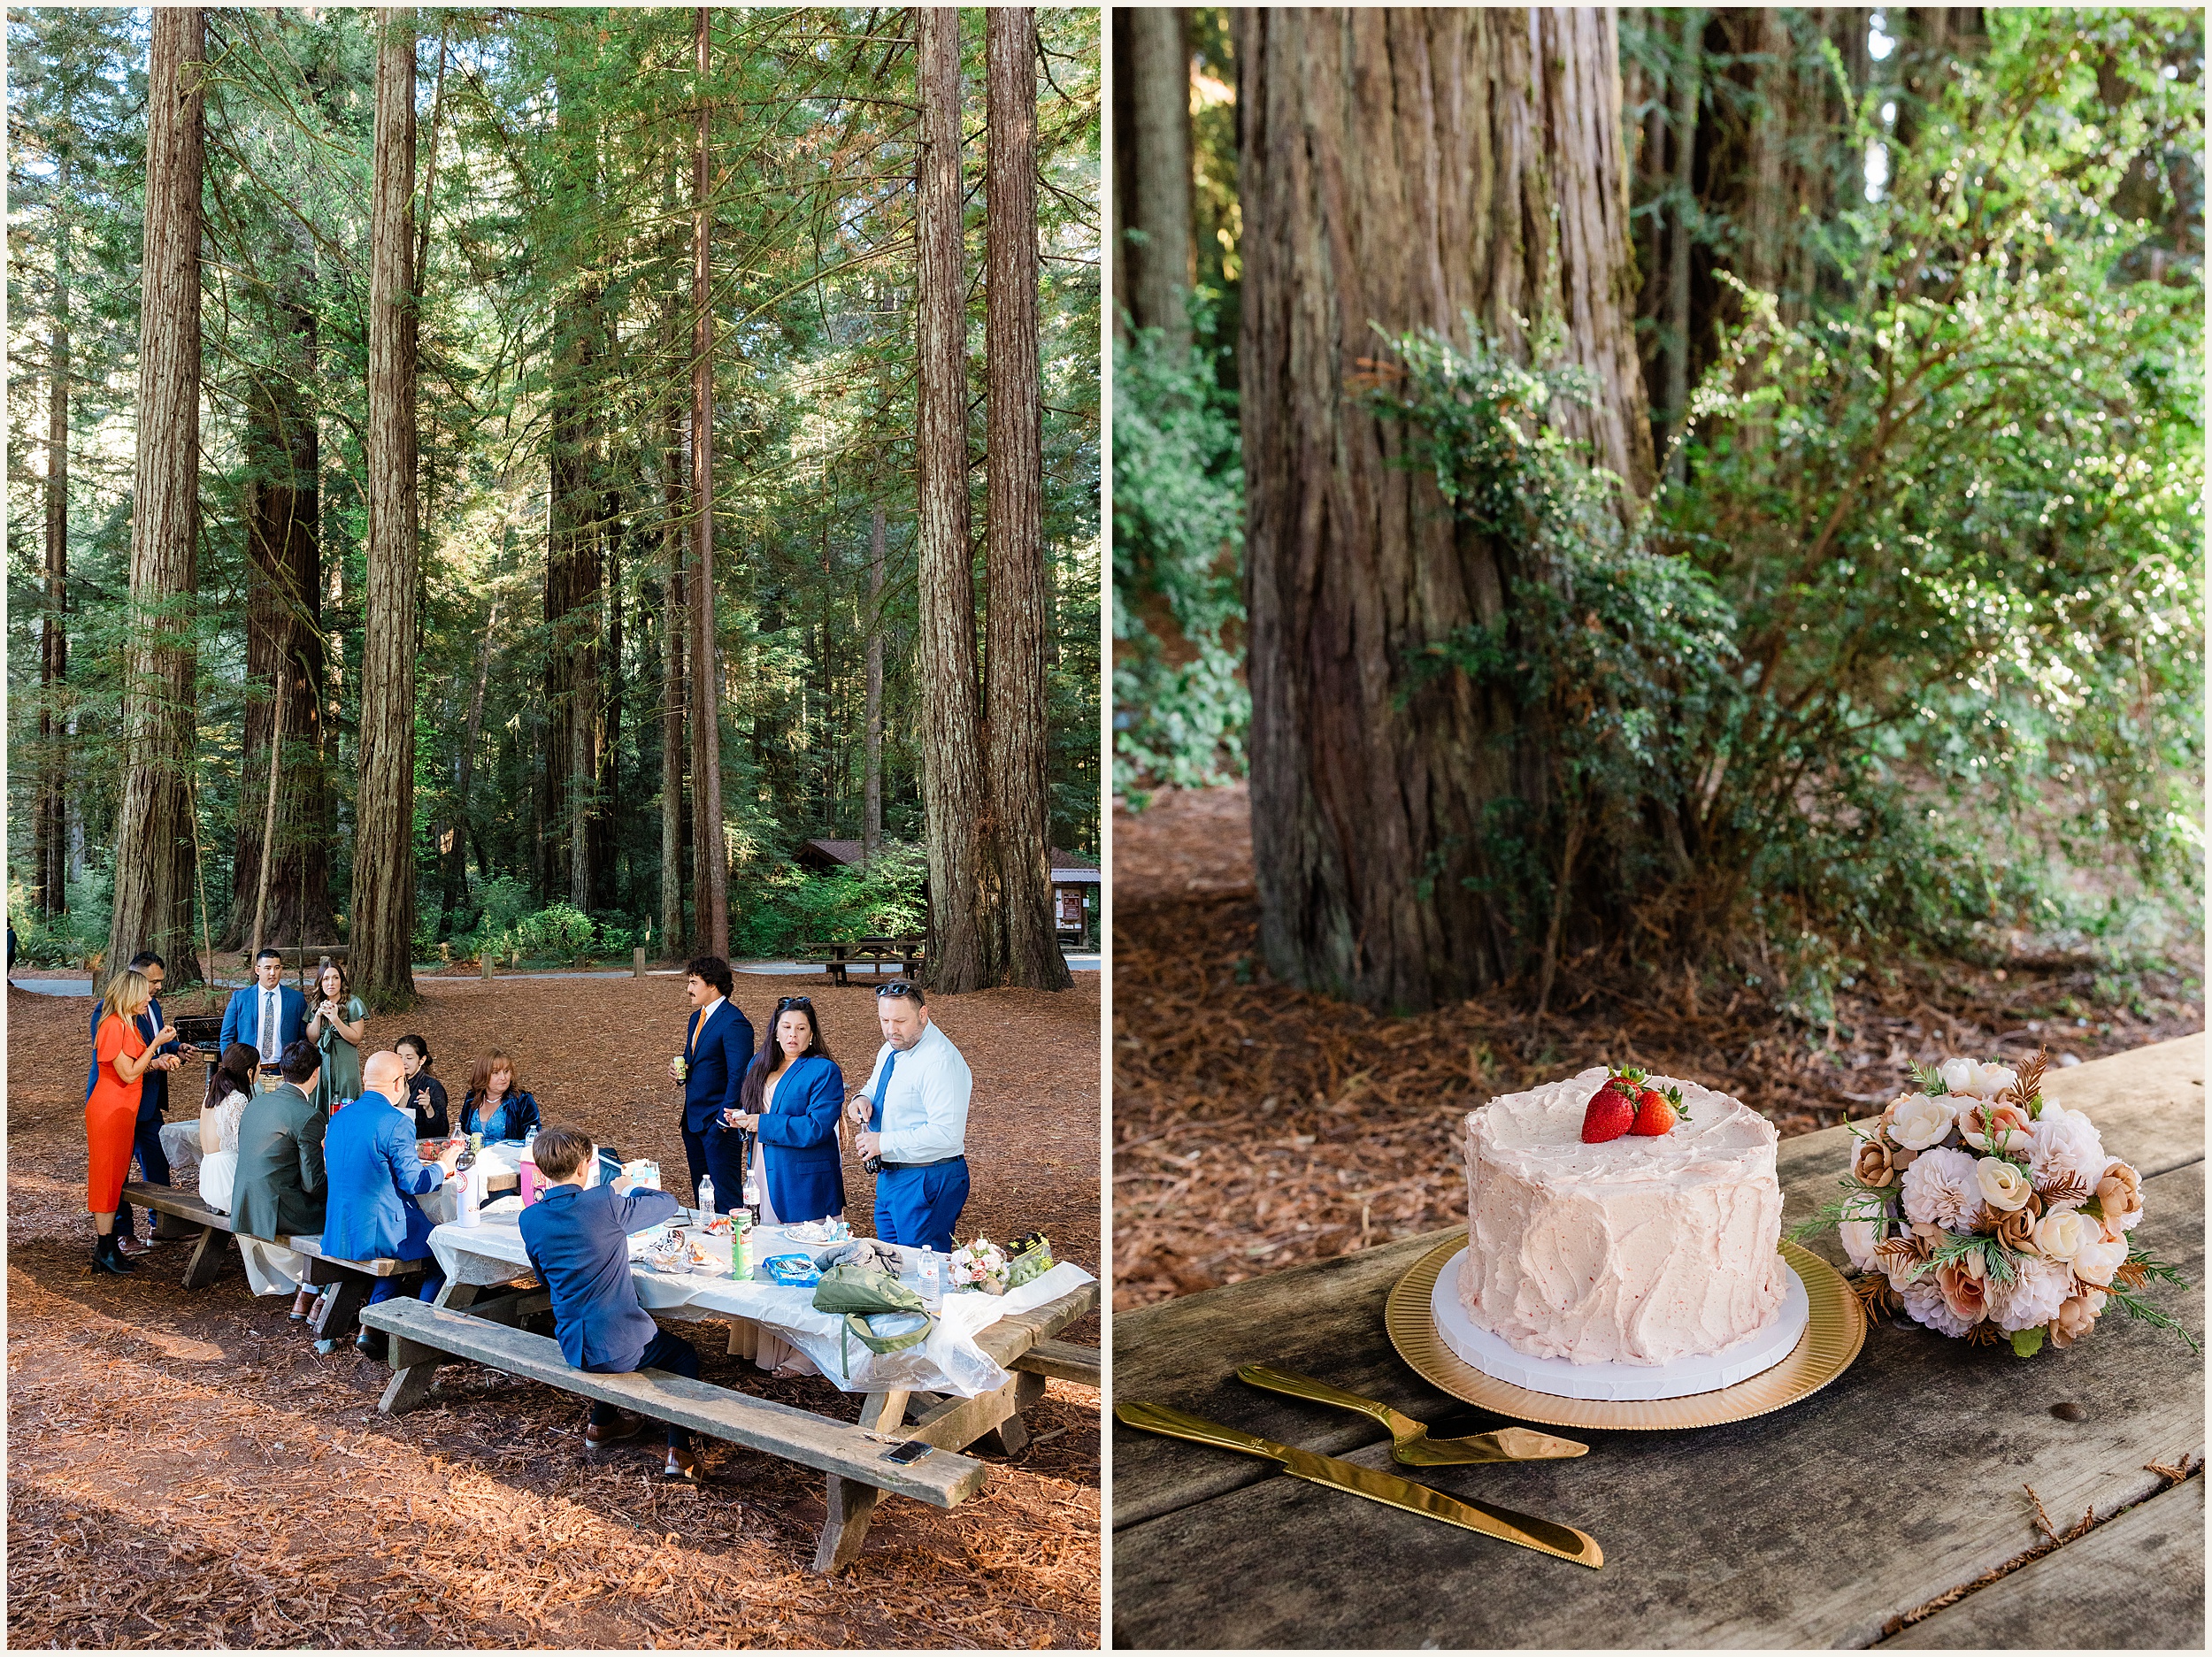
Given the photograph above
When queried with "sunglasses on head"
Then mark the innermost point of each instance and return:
(899, 988)
(790, 1001)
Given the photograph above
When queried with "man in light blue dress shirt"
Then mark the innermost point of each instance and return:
(916, 1112)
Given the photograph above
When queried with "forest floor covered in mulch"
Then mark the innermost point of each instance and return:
(185, 1470)
(1258, 1127)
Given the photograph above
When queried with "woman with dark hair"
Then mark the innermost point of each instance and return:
(495, 1106)
(338, 1027)
(230, 1084)
(425, 1093)
(789, 1103)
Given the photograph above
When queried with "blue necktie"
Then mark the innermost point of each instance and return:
(883, 1089)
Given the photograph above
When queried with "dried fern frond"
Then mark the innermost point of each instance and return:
(2068, 1189)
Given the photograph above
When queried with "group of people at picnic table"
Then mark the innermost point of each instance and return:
(300, 1136)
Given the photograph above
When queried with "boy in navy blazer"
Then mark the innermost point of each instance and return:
(578, 1242)
(717, 1051)
(153, 1101)
(266, 1016)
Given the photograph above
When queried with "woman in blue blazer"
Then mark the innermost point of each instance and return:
(793, 1094)
(495, 1105)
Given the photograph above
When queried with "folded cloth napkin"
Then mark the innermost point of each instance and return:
(862, 1251)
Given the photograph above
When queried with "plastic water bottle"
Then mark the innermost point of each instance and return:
(706, 1199)
(752, 1191)
(931, 1277)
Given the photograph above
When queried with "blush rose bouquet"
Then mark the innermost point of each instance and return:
(1984, 1211)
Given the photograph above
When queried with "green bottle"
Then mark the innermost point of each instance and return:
(741, 1247)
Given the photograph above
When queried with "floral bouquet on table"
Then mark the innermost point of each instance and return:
(1986, 1211)
(978, 1265)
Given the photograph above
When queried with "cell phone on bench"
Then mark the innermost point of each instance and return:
(905, 1454)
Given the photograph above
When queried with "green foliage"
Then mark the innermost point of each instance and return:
(1181, 704)
(70, 938)
(789, 907)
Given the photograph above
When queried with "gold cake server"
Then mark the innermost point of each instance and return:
(1562, 1541)
(1410, 1441)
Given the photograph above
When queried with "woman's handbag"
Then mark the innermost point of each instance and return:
(861, 1293)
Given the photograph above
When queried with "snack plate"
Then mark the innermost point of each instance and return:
(1835, 1330)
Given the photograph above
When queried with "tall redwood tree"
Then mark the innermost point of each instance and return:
(1014, 645)
(1407, 169)
(154, 829)
(384, 842)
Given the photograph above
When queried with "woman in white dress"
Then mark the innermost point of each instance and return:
(230, 1086)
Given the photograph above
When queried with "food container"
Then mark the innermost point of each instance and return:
(643, 1171)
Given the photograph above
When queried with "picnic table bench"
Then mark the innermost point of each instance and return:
(1823, 1524)
(838, 958)
(339, 1315)
(474, 1323)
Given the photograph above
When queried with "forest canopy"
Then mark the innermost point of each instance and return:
(552, 206)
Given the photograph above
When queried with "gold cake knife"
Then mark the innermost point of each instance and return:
(1562, 1541)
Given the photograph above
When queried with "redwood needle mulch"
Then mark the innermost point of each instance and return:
(1258, 1127)
(186, 1471)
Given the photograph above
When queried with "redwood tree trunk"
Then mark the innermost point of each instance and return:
(384, 842)
(154, 829)
(464, 771)
(284, 580)
(1408, 169)
(48, 829)
(674, 614)
(1161, 261)
(871, 819)
(712, 896)
(955, 798)
(1014, 656)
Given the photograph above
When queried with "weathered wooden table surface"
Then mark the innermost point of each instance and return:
(1815, 1526)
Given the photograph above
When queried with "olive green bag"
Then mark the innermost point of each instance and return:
(859, 1293)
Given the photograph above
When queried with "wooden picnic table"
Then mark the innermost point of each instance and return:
(1823, 1524)
(1021, 1343)
(838, 958)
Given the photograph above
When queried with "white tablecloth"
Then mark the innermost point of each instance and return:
(948, 1362)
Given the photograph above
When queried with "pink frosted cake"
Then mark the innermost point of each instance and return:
(1639, 1250)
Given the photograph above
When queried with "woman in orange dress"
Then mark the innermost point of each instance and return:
(111, 1115)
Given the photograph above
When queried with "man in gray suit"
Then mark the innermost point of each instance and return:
(279, 1188)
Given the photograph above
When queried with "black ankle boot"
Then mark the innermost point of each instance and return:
(107, 1257)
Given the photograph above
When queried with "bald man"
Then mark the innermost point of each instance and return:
(375, 1175)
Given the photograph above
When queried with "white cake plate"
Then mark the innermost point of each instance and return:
(1562, 1378)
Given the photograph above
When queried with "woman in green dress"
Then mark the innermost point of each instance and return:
(338, 1027)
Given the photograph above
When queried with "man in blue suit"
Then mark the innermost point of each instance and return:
(153, 1100)
(373, 1174)
(266, 1016)
(717, 1051)
(577, 1242)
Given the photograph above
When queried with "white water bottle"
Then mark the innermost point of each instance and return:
(706, 1199)
(752, 1191)
(931, 1278)
(464, 1200)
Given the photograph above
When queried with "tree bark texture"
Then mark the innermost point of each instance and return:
(1162, 259)
(154, 827)
(284, 582)
(711, 892)
(574, 579)
(50, 833)
(955, 798)
(384, 844)
(871, 814)
(673, 625)
(464, 769)
(1411, 169)
(1015, 724)
(1688, 83)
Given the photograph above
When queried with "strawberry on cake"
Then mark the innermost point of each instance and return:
(1619, 1218)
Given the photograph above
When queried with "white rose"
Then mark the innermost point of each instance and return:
(2096, 1260)
(1939, 1189)
(2038, 1289)
(1918, 1122)
(2001, 1185)
(1858, 1242)
(2061, 1234)
(2063, 1143)
(1990, 1080)
(1960, 1074)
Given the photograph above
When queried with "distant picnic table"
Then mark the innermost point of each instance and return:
(840, 957)
(1823, 1524)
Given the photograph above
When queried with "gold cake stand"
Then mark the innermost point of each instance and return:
(1832, 1340)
